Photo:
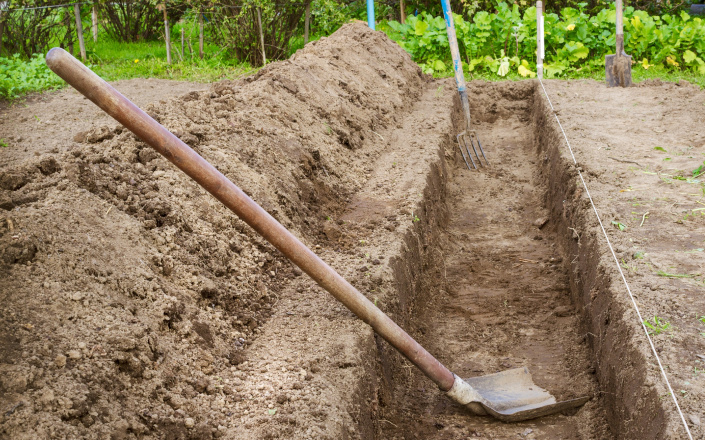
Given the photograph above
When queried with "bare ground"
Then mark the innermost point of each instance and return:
(133, 306)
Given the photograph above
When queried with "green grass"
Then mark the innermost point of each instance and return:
(639, 74)
(113, 60)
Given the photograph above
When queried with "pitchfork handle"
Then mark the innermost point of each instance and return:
(457, 64)
(171, 147)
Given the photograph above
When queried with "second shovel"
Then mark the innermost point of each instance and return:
(618, 67)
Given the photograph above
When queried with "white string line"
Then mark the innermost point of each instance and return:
(636, 308)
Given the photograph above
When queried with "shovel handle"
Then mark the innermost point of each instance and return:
(620, 30)
(150, 131)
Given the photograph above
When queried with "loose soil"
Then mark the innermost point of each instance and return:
(132, 305)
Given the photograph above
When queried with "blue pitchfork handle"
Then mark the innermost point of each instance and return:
(460, 78)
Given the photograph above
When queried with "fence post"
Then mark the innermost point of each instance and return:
(79, 30)
(261, 35)
(539, 39)
(307, 23)
(182, 44)
(167, 36)
(94, 19)
(371, 14)
(200, 34)
(402, 11)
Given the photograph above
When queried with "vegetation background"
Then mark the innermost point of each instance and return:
(497, 38)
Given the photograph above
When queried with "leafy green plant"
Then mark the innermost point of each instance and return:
(18, 76)
(3, 144)
(657, 326)
(505, 41)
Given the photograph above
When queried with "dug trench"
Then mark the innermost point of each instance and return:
(507, 269)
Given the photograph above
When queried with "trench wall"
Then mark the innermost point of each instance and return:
(630, 384)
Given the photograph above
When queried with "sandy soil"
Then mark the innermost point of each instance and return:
(132, 305)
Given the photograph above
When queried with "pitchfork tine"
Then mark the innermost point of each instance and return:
(463, 153)
(479, 144)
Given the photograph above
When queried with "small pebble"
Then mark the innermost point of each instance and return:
(695, 420)
(189, 422)
(60, 361)
(74, 354)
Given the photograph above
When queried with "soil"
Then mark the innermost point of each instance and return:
(132, 305)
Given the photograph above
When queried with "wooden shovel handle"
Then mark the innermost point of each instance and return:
(150, 131)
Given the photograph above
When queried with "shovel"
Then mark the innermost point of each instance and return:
(618, 67)
(467, 137)
(510, 396)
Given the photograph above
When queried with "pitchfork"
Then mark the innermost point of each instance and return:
(468, 136)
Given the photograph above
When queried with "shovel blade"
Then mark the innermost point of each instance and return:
(618, 70)
(512, 396)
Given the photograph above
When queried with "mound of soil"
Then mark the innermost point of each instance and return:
(127, 290)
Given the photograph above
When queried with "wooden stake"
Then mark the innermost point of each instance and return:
(167, 36)
(94, 17)
(79, 30)
(261, 36)
(402, 11)
(200, 35)
(539, 39)
(307, 23)
(182, 44)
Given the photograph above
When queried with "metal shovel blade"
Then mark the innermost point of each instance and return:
(512, 396)
(618, 70)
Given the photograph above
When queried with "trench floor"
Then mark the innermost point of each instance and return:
(502, 302)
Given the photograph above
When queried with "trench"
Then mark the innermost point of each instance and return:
(497, 285)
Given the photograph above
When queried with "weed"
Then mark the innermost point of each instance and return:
(675, 275)
(639, 255)
(621, 226)
(660, 149)
(629, 267)
(699, 170)
(658, 326)
(3, 144)
(702, 319)
(415, 218)
(37, 118)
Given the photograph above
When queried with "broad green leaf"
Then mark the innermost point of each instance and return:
(420, 28)
(523, 71)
